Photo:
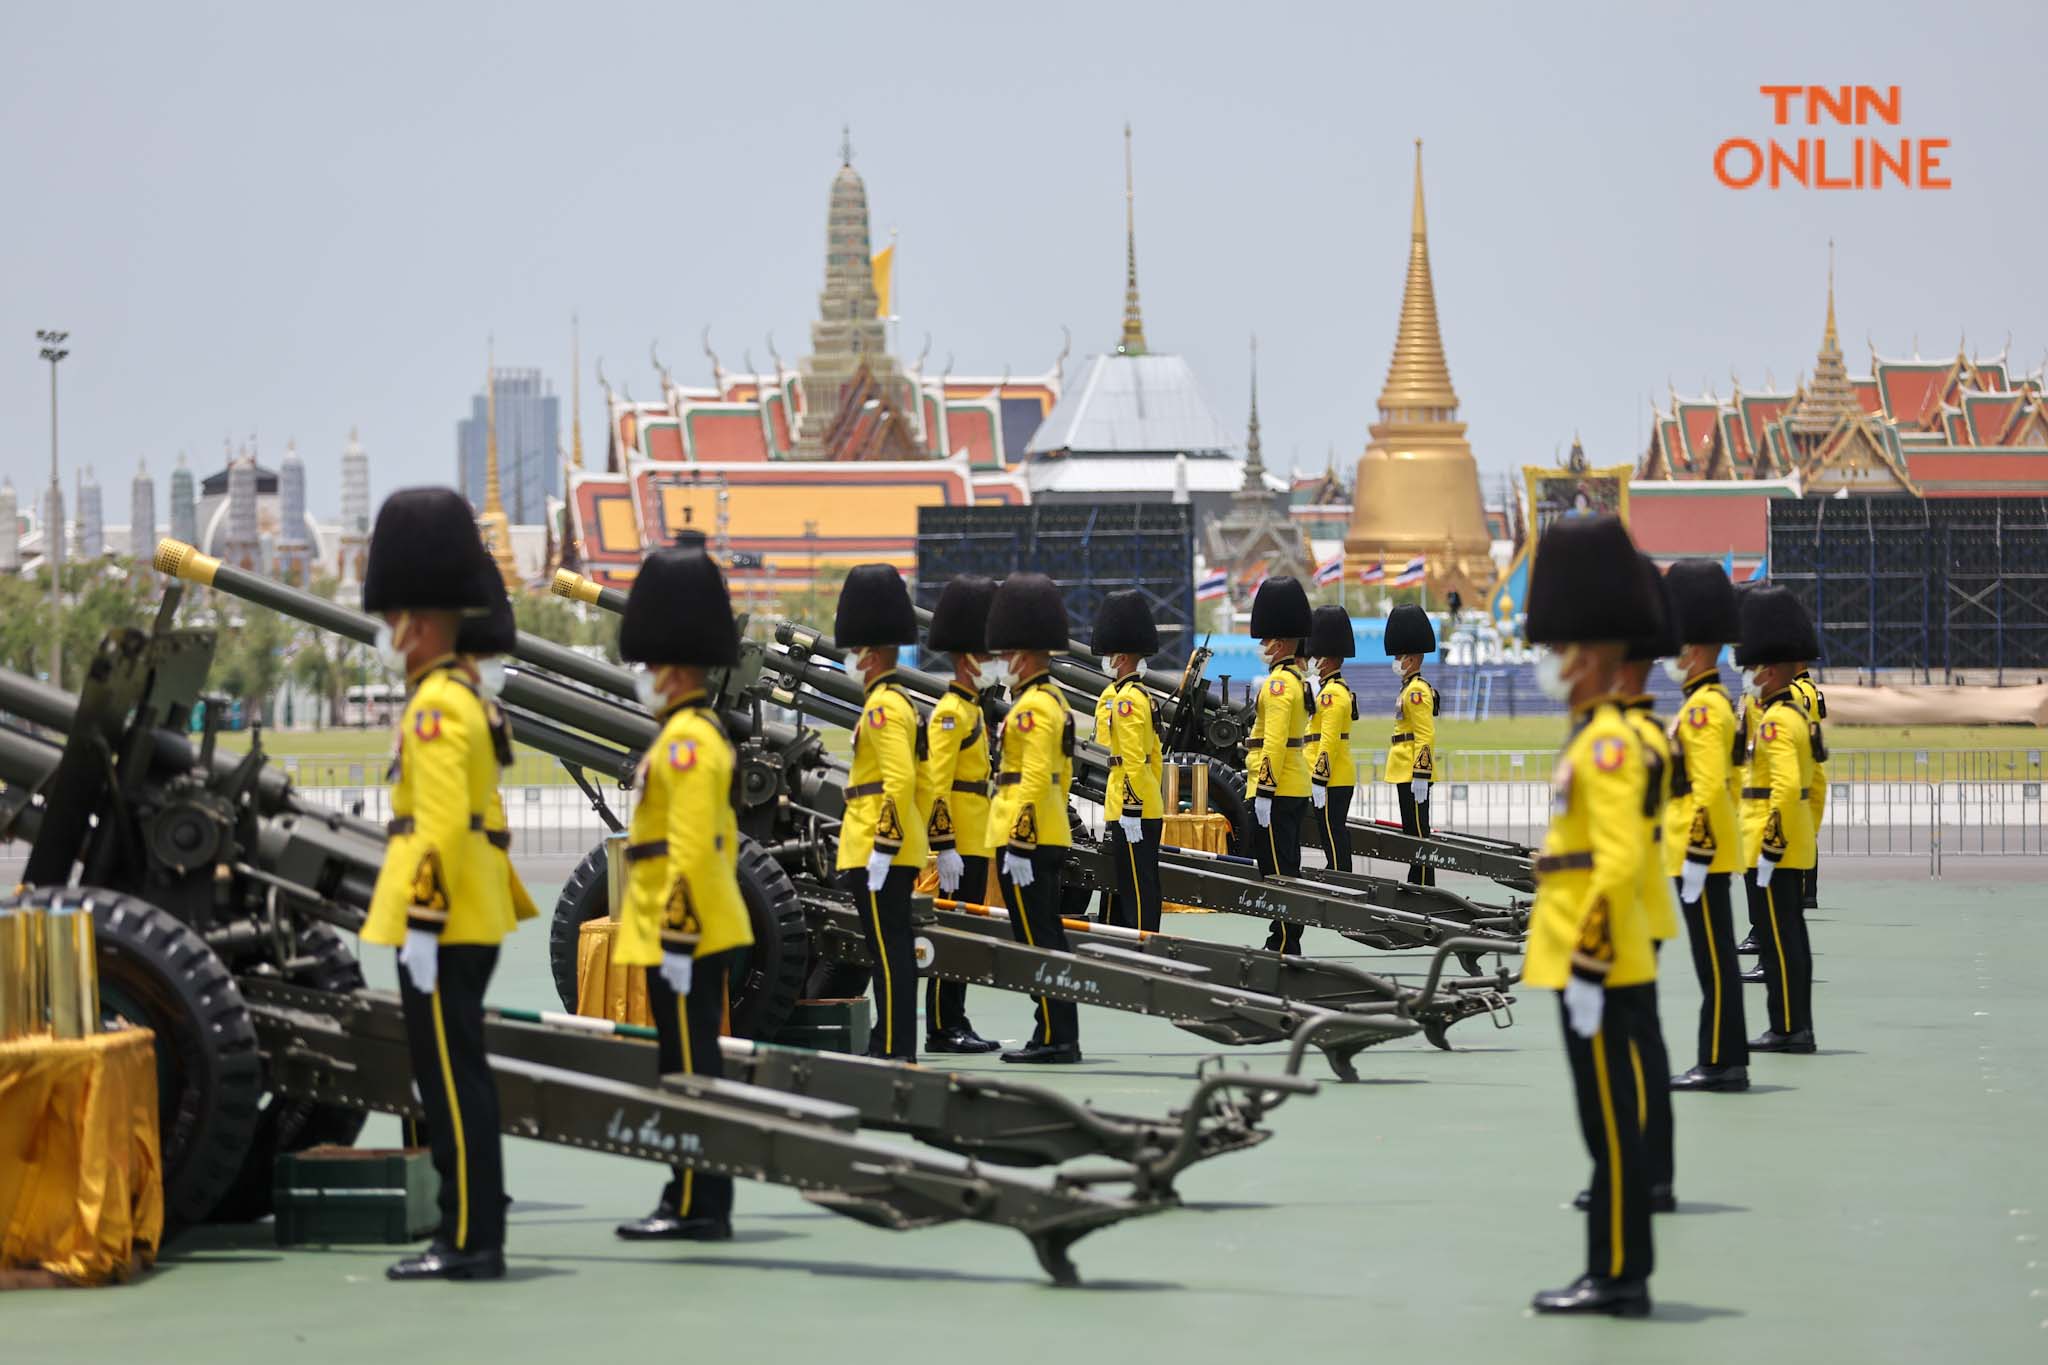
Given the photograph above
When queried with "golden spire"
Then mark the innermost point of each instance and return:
(1133, 340)
(1829, 341)
(495, 526)
(575, 395)
(1418, 382)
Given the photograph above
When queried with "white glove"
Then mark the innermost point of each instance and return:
(951, 869)
(420, 959)
(878, 869)
(1018, 868)
(1764, 868)
(1134, 828)
(1420, 788)
(1692, 879)
(1262, 806)
(1583, 1002)
(1319, 797)
(675, 970)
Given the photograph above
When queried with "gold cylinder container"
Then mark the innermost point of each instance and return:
(21, 971)
(72, 968)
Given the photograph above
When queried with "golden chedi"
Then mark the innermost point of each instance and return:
(1417, 490)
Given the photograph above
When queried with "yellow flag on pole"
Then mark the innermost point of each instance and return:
(885, 272)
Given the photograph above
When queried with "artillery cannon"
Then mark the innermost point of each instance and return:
(217, 891)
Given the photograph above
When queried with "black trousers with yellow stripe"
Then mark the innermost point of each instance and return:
(1604, 1080)
(1278, 849)
(1135, 902)
(1415, 820)
(1035, 919)
(892, 948)
(445, 1034)
(1650, 1068)
(1783, 949)
(686, 1040)
(1710, 927)
(945, 1002)
(1331, 827)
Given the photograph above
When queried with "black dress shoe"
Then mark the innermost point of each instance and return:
(1748, 945)
(1773, 1041)
(1754, 976)
(961, 1039)
(1045, 1054)
(665, 1226)
(1662, 1200)
(439, 1262)
(1712, 1078)
(1597, 1294)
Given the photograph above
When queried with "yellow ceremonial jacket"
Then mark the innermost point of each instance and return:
(1700, 822)
(1029, 809)
(1411, 752)
(1776, 797)
(440, 871)
(683, 847)
(1816, 707)
(1659, 898)
(882, 814)
(1330, 760)
(497, 828)
(1587, 910)
(1279, 733)
(953, 780)
(1123, 725)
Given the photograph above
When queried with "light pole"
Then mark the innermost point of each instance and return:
(53, 533)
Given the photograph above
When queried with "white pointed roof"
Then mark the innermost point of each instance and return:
(1134, 405)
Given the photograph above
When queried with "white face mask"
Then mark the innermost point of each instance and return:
(490, 677)
(1109, 664)
(645, 689)
(1550, 679)
(1750, 686)
(1399, 671)
(992, 673)
(1675, 671)
(386, 645)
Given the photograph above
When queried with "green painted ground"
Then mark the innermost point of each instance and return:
(1882, 1202)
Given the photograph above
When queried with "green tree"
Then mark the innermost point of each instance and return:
(251, 658)
(560, 621)
(320, 660)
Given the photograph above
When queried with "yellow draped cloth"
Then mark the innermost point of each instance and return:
(604, 991)
(81, 1170)
(1205, 834)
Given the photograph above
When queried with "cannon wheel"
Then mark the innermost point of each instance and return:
(155, 972)
(1226, 798)
(770, 976)
(288, 1125)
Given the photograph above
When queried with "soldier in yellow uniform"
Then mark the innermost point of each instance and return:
(683, 918)
(1817, 707)
(1411, 756)
(954, 782)
(1275, 750)
(1702, 842)
(1588, 936)
(1332, 769)
(1777, 814)
(1132, 808)
(1027, 819)
(479, 642)
(443, 897)
(882, 844)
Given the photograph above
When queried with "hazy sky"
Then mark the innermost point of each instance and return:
(286, 219)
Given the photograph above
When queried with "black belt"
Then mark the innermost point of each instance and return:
(1564, 862)
(406, 824)
(653, 848)
(863, 789)
(1297, 743)
(1763, 793)
(971, 788)
(1404, 735)
(1008, 779)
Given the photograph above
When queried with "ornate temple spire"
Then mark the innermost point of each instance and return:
(496, 528)
(575, 394)
(1418, 381)
(1133, 340)
(1254, 461)
(1832, 395)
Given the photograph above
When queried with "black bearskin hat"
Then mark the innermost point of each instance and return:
(1028, 613)
(1585, 584)
(423, 554)
(1330, 635)
(1704, 601)
(1775, 630)
(494, 632)
(1124, 625)
(1409, 631)
(959, 623)
(874, 609)
(1280, 611)
(678, 612)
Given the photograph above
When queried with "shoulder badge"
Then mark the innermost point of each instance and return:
(947, 722)
(1696, 716)
(1277, 685)
(682, 754)
(877, 717)
(1768, 731)
(1327, 698)
(426, 724)
(1026, 722)
(1124, 707)
(1607, 753)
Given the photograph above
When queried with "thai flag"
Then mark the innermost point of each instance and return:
(1330, 570)
(1372, 573)
(1411, 575)
(1212, 586)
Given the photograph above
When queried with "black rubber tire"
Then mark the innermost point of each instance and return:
(1227, 798)
(156, 972)
(769, 977)
(288, 1125)
(1076, 900)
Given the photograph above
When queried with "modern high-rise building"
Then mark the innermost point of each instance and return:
(141, 514)
(529, 446)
